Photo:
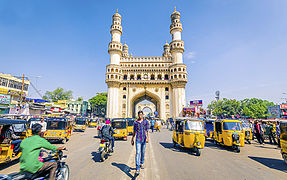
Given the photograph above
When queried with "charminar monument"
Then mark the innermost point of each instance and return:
(160, 80)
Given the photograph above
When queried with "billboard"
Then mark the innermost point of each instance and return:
(274, 111)
(283, 106)
(196, 102)
(5, 99)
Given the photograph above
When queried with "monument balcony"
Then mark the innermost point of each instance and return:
(115, 46)
(145, 81)
(177, 45)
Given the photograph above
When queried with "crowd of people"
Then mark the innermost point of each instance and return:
(266, 129)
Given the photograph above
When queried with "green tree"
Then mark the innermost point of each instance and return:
(58, 94)
(99, 103)
(80, 99)
(251, 108)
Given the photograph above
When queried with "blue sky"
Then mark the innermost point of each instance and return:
(237, 47)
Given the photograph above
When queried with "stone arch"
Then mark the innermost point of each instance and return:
(145, 95)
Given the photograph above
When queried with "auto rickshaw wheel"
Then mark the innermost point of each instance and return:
(237, 149)
(197, 151)
(284, 157)
(248, 140)
(174, 144)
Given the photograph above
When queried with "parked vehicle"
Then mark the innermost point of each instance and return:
(189, 133)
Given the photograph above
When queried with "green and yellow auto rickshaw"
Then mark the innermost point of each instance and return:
(247, 129)
(189, 133)
(6, 148)
(58, 129)
(283, 139)
(229, 132)
(80, 124)
(120, 127)
(130, 128)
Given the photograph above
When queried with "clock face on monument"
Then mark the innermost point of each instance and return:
(145, 76)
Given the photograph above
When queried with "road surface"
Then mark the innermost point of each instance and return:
(163, 161)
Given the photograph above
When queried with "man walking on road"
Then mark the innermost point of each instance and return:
(142, 137)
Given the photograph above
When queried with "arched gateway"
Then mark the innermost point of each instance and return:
(160, 80)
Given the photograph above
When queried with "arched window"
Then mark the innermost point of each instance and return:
(124, 96)
(166, 97)
(166, 89)
(138, 77)
(152, 77)
(125, 77)
(179, 69)
(166, 77)
(132, 77)
(124, 88)
(159, 77)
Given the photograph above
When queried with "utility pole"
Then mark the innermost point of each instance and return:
(21, 95)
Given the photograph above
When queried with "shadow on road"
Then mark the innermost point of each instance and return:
(212, 145)
(8, 164)
(96, 156)
(277, 164)
(266, 147)
(126, 169)
(177, 148)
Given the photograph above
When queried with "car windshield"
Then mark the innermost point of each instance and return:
(119, 124)
(56, 125)
(234, 126)
(131, 122)
(80, 122)
(194, 125)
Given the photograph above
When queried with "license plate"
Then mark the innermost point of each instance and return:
(53, 133)
(102, 145)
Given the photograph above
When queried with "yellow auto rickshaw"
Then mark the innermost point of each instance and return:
(189, 133)
(247, 129)
(229, 133)
(131, 122)
(6, 148)
(80, 124)
(157, 124)
(120, 127)
(31, 122)
(283, 139)
(93, 123)
(209, 128)
(58, 129)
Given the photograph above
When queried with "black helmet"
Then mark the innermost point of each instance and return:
(36, 128)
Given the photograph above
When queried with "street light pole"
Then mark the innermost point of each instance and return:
(21, 95)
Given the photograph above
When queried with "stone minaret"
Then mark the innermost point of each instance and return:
(113, 73)
(126, 50)
(166, 50)
(178, 69)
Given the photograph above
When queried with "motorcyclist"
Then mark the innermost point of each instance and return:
(107, 133)
(31, 148)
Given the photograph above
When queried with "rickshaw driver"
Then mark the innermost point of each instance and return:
(107, 133)
(9, 134)
(31, 148)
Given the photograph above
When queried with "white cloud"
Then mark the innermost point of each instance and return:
(190, 55)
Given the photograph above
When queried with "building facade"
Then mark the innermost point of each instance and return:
(78, 107)
(10, 93)
(160, 80)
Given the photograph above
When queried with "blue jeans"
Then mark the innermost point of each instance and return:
(140, 153)
(16, 145)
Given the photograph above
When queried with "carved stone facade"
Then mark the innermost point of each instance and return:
(161, 80)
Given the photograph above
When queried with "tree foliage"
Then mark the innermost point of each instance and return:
(99, 103)
(58, 94)
(251, 108)
(80, 99)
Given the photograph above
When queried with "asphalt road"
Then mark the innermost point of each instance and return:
(165, 162)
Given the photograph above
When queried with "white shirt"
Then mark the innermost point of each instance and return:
(44, 126)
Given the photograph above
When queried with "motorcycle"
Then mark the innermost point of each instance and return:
(104, 149)
(62, 172)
